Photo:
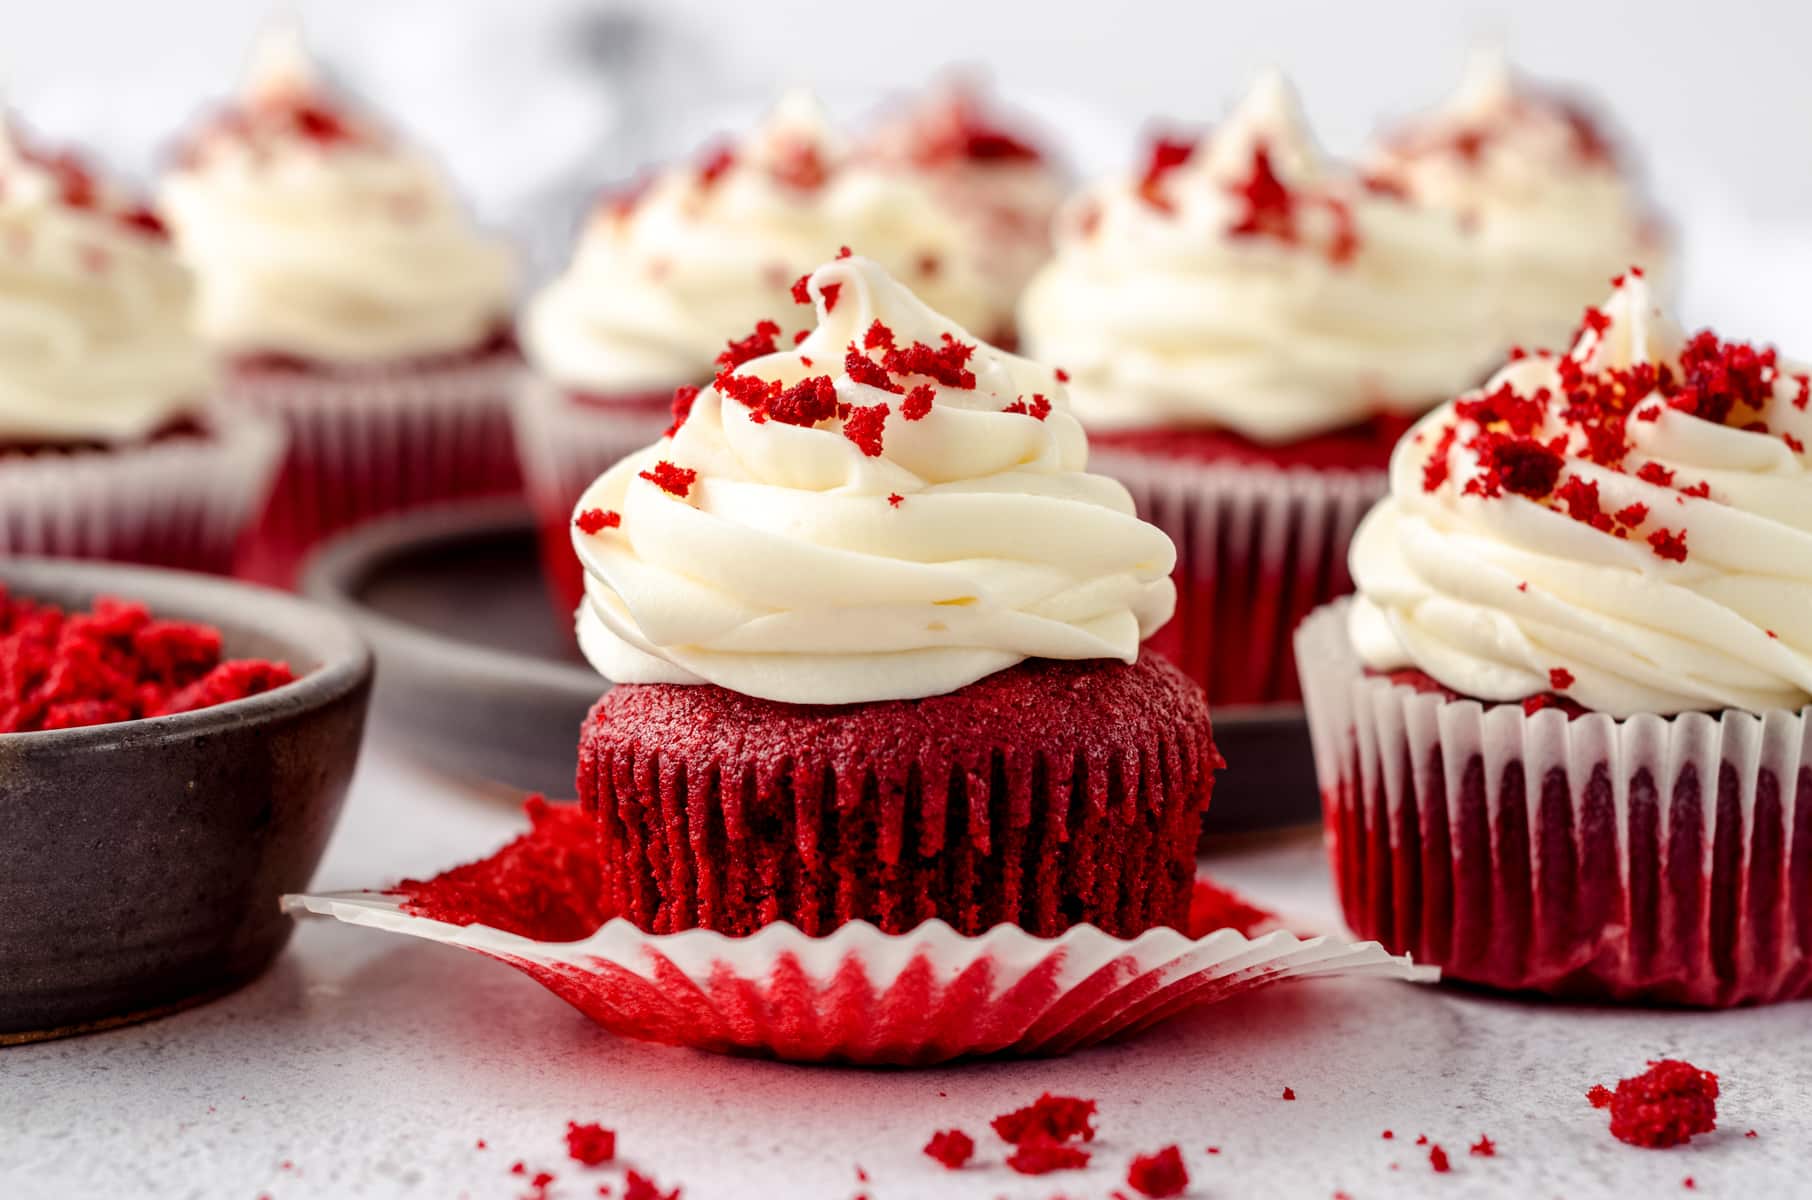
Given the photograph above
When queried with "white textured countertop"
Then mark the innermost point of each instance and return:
(370, 1065)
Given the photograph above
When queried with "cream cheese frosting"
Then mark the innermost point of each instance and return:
(1629, 525)
(95, 340)
(1552, 210)
(315, 235)
(1242, 283)
(886, 510)
(661, 279)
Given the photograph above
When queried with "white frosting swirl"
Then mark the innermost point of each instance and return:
(659, 283)
(1518, 594)
(1176, 300)
(315, 235)
(95, 341)
(798, 567)
(1552, 213)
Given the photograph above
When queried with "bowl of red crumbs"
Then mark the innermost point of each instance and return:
(174, 750)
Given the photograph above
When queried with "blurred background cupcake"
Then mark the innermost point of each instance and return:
(1561, 729)
(665, 276)
(350, 298)
(111, 445)
(988, 167)
(1246, 328)
(1544, 190)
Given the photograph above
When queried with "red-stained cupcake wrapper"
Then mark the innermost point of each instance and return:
(861, 996)
(183, 502)
(564, 445)
(1664, 860)
(365, 444)
(1258, 549)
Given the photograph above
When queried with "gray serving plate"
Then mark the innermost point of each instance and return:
(142, 861)
(479, 676)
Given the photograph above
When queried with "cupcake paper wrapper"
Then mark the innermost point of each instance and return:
(365, 444)
(1656, 859)
(564, 445)
(1257, 550)
(180, 502)
(861, 996)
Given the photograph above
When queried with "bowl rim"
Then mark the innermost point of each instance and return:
(303, 627)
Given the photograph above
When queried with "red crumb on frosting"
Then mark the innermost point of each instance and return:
(1560, 679)
(596, 520)
(843, 251)
(1671, 546)
(1484, 1147)
(683, 399)
(757, 344)
(1057, 1118)
(1664, 1106)
(917, 404)
(1062, 375)
(952, 1147)
(1165, 156)
(62, 670)
(947, 363)
(894, 499)
(807, 402)
(1213, 907)
(591, 1144)
(1040, 407)
(801, 289)
(637, 1186)
(1270, 209)
(544, 885)
(863, 369)
(877, 337)
(717, 161)
(1158, 1175)
(674, 480)
(1040, 1155)
(1437, 1158)
(865, 425)
(830, 292)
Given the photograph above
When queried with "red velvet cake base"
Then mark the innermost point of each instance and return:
(1260, 544)
(1363, 447)
(366, 444)
(1538, 847)
(1048, 795)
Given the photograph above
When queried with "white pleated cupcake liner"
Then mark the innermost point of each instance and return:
(365, 444)
(564, 445)
(1651, 859)
(182, 502)
(1258, 549)
(861, 996)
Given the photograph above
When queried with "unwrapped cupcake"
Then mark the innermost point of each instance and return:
(1552, 207)
(1562, 731)
(111, 445)
(1247, 329)
(665, 278)
(877, 639)
(351, 298)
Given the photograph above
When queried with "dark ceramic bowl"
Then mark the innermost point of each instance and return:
(141, 862)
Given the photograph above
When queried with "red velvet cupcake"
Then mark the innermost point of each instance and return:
(665, 276)
(111, 443)
(1247, 329)
(1562, 732)
(352, 300)
(880, 662)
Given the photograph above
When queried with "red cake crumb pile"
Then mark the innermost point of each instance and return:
(1039, 1155)
(591, 1144)
(637, 1186)
(952, 1147)
(1213, 907)
(675, 481)
(544, 885)
(61, 670)
(1159, 1175)
(1058, 1118)
(596, 520)
(1664, 1106)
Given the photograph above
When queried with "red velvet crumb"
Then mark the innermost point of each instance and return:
(683, 399)
(1057, 1118)
(952, 1147)
(1437, 1158)
(1158, 1175)
(637, 1186)
(1289, 1093)
(1560, 679)
(865, 426)
(1671, 546)
(1213, 907)
(1040, 1155)
(1484, 1147)
(830, 292)
(117, 663)
(918, 402)
(865, 370)
(1664, 1106)
(894, 499)
(591, 1144)
(596, 520)
(674, 480)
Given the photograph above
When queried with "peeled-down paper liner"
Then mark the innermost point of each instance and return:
(861, 996)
